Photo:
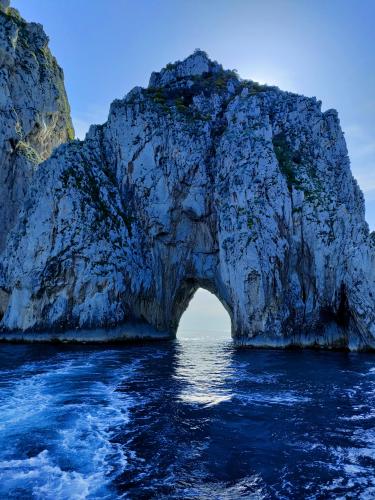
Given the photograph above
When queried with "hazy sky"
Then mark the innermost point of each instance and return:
(323, 48)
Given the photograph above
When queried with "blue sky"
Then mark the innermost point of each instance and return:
(323, 48)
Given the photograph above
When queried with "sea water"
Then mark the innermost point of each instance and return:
(194, 418)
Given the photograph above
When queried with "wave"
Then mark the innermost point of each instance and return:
(63, 424)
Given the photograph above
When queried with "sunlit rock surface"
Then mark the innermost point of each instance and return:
(34, 111)
(200, 180)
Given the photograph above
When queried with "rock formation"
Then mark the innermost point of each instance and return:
(34, 111)
(200, 180)
(4, 4)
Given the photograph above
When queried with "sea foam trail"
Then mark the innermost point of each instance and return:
(61, 423)
(186, 419)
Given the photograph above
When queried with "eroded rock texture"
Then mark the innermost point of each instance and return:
(200, 180)
(34, 111)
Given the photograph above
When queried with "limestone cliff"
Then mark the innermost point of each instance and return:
(200, 180)
(34, 111)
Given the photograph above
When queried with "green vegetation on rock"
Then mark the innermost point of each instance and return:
(284, 155)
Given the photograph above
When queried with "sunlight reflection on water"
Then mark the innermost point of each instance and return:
(204, 370)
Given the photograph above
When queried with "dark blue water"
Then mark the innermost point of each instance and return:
(191, 419)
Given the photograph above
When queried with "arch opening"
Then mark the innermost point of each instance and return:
(204, 316)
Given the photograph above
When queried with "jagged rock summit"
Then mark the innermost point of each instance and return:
(200, 180)
(193, 66)
(4, 4)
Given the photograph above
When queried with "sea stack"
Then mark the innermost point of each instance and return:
(202, 179)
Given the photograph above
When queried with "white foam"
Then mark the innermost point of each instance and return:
(77, 416)
(41, 477)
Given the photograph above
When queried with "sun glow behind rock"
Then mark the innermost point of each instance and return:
(273, 77)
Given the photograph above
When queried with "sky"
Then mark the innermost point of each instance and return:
(322, 48)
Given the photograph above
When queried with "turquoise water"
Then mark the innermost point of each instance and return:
(194, 418)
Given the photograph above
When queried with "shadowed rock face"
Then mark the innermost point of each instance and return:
(34, 111)
(200, 180)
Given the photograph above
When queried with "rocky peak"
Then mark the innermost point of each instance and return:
(195, 65)
(4, 4)
(196, 88)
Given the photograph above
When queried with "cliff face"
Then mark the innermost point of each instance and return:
(34, 111)
(200, 180)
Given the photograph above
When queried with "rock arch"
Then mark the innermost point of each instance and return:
(201, 179)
